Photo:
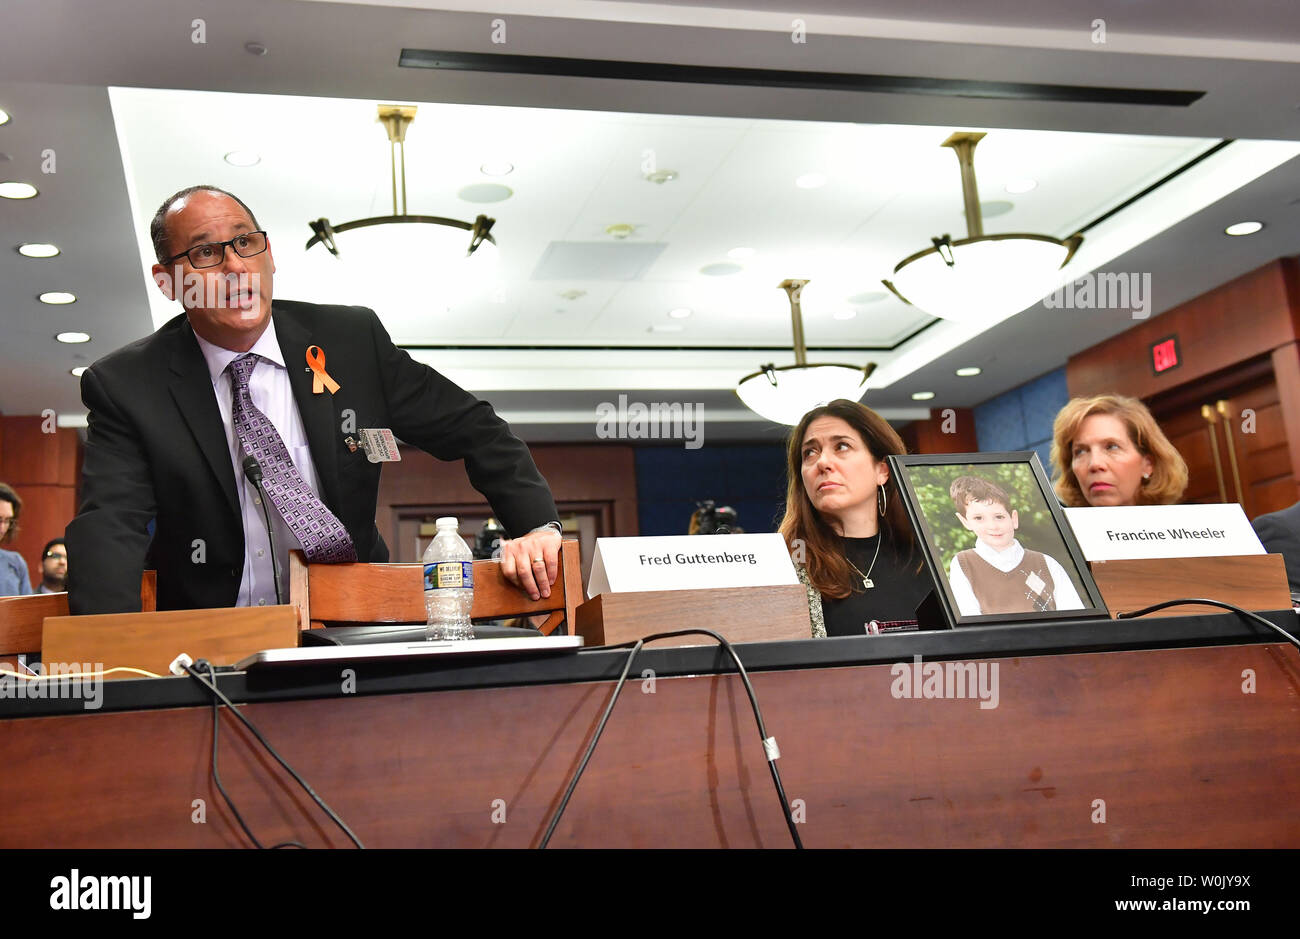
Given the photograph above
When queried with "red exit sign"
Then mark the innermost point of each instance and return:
(1164, 355)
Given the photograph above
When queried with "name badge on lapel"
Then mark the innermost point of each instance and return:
(378, 444)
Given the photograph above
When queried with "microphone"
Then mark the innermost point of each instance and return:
(253, 473)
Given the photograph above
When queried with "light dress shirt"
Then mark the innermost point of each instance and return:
(273, 396)
(1067, 598)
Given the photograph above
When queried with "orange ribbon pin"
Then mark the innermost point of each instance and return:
(320, 378)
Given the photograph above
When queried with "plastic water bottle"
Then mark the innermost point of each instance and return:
(448, 584)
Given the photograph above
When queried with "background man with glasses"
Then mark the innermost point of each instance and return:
(15, 581)
(173, 416)
(54, 567)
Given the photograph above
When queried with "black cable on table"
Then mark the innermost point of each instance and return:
(769, 754)
(1226, 606)
(220, 698)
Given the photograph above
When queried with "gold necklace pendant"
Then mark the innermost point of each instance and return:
(867, 582)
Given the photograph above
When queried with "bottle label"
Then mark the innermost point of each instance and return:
(449, 574)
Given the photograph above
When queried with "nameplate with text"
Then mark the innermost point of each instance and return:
(689, 562)
(1128, 532)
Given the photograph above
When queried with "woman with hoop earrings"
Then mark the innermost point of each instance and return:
(845, 525)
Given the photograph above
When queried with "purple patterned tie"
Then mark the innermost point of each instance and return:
(323, 537)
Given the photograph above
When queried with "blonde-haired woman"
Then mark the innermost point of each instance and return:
(1108, 450)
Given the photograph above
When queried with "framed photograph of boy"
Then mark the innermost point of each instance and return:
(995, 539)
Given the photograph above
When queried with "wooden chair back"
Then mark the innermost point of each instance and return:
(394, 593)
(22, 618)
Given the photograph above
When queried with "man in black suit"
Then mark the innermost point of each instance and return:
(1280, 534)
(165, 442)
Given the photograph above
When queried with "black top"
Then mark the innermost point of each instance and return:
(900, 586)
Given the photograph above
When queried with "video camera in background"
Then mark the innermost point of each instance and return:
(487, 543)
(710, 519)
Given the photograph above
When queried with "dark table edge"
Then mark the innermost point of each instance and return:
(288, 683)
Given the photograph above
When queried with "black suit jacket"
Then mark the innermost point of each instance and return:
(1280, 533)
(156, 451)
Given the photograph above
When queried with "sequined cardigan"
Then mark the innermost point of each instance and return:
(815, 613)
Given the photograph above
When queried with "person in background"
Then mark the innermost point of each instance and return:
(15, 581)
(54, 567)
(1279, 532)
(1108, 450)
(845, 524)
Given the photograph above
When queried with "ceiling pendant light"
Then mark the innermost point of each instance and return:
(785, 393)
(445, 239)
(980, 278)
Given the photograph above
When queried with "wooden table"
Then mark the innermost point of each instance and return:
(1156, 736)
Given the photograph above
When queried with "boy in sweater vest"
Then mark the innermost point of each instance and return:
(998, 575)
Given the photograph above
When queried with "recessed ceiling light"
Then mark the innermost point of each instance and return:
(243, 158)
(996, 207)
(680, 313)
(497, 168)
(845, 314)
(4, 116)
(810, 181)
(12, 190)
(77, 372)
(73, 337)
(1243, 228)
(740, 254)
(661, 176)
(721, 270)
(922, 395)
(38, 250)
(57, 297)
(970, 371)
(666, 328)
(1017, 186)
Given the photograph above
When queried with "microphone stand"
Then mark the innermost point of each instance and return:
(253, 472)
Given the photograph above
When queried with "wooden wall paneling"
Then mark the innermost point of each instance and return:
(583, 475)
(1240, 320)
(43, 469)
(928, 436)
(30, 457)
(1189, 434)
(1260, 442)
(1286, 368)
(1263, 455)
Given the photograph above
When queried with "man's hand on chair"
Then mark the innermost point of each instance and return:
(532, 562)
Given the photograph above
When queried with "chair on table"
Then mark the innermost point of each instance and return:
(394, 593)
(23, 618)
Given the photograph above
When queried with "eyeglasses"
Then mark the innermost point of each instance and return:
(6, 522)
(61, 557)
(249, 244)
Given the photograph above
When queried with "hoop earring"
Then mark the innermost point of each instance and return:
(882, 500)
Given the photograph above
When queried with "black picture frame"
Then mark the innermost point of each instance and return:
(913, 472)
